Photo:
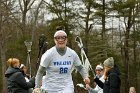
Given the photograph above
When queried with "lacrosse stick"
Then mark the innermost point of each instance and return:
(84, 58)
(42, 48)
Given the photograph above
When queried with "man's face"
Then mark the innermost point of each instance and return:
(98, 72)
(60, 40)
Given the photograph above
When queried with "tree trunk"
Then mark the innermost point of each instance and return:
(2, 53)
(3, 60)
(126, 48)
(103, 21)
(126, 62)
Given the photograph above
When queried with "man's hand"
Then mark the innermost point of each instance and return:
(87, 87)
(87, 81)
(36, 90)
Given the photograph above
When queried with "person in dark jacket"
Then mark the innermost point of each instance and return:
(111, 75)
(16, 82)
(23, 68)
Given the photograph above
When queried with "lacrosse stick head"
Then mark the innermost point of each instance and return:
(79, 41)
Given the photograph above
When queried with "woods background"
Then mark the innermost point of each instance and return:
(107, 28)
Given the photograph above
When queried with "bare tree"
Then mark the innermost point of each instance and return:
(35, 18)
(25, 6)
(2, 47)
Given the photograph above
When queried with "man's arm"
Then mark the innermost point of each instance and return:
(83, 73)
(91, 90)
(39, 76)
(99, 83)
(20, 80)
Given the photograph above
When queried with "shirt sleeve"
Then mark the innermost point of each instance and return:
(20, 80)
(45, 59)
(91, 90)
(39, 76)
(77, 61)
(82, 71)
(79, 66)
(99, 82)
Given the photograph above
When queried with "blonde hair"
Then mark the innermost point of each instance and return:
(106, 69)
(12, 61)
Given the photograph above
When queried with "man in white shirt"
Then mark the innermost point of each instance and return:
(58, 62)
(99, 73)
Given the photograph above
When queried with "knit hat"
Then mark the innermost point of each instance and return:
(98, 67)
(109, 62)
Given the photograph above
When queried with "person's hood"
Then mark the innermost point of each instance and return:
(115, 69)
(11, 70)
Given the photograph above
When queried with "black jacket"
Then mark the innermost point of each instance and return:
(16, 82)
(113, 82)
